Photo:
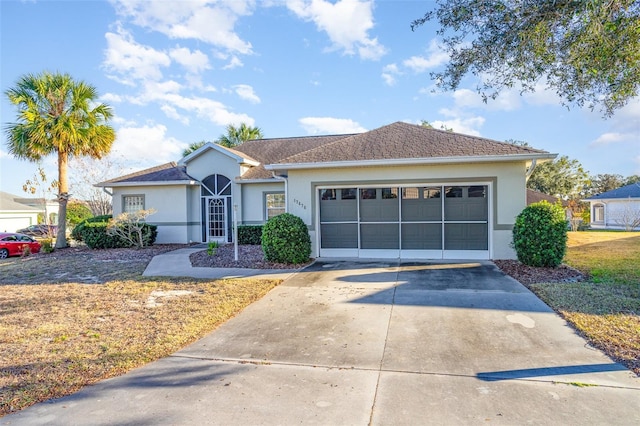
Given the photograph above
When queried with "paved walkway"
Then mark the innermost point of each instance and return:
(372, 343)
(176, 264)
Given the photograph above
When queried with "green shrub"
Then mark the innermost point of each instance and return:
(77, 212)
(46, 245)
(285, 239)
(540, 235)
(96, 237)
(76, 234)
(250, 234)
(212, 248)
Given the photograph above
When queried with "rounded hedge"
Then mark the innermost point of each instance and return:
(285, 239)
(540, 235)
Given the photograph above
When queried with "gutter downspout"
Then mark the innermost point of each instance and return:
(530, 170)
(104, 188)
(286, 190)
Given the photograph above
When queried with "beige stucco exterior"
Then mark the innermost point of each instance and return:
(505, 179)
(172, 222)
(189, 209)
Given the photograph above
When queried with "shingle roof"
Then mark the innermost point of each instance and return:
(164, 173)
(397, 141)
(627, 191)
(269, 151)
(536, 196)
(8, 203)
(406, 141)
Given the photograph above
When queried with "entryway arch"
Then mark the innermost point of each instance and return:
(216, 195)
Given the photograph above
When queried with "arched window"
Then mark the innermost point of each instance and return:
(215, 185)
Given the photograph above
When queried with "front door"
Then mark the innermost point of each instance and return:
(216, 219)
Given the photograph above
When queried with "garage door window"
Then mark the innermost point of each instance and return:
(339, 218)
(407, 218)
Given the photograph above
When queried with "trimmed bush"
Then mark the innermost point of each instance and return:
(250, 234)
(95, 236)
(540, 235)
(285, 239)
(76, 234)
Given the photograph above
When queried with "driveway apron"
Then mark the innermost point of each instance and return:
(372, 342)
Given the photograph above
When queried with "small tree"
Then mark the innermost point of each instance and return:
(130, 227)
(40, 186)
(540, 235)
(77, 212)
(87, 172)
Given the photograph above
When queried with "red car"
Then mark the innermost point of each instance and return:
(14, 244)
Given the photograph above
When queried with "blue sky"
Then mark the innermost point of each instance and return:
(179, 72)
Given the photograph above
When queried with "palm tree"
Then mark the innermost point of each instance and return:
(236, 135)
(57, 114)
(193, 146)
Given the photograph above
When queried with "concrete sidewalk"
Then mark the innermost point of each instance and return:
(372, 343)
(176, 264)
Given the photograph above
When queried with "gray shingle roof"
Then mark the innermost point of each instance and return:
(269, 151)
(164, 173)
(397, 141)
(8, 203)
(627, 191)
(406, 141)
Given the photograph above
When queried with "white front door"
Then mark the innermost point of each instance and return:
(216, 219)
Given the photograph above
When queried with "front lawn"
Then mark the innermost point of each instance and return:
(75, 317)
(605, 308)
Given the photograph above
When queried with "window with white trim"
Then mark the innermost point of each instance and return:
(598, 213)
(132, 203)
(274, 204)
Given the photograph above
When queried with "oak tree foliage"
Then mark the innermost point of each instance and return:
(587, 51)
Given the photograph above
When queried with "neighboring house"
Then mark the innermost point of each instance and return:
(398, 191)
(15, 215)
(534, 196)
(616, 209)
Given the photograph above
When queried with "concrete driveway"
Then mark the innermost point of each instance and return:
(372, 343)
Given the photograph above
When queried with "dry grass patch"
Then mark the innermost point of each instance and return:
(606, 308)
(57, 338)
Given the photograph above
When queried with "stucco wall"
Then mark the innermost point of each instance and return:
(507, 182)
(253, 199)
(170, 203)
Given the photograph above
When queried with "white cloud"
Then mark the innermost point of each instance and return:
(346, 22)
(389, 73)
(207, 21)
(246, 92)
(4, 154)
(235, 62)
(195, 62)
(330, 125)
(131, 60)
(460, 122)
(507, 100)
(609, 138)
(624, 127)
(147, 144)
(435, 57)
(111, 97)
(171, 112)
(175, 105)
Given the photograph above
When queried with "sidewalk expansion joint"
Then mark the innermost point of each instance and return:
(380, 370)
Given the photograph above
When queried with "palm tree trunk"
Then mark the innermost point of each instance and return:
(63, 198)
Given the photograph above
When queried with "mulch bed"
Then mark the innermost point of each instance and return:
(249, 256)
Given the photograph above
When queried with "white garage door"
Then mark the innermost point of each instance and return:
(423, 222)
(12, 224)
